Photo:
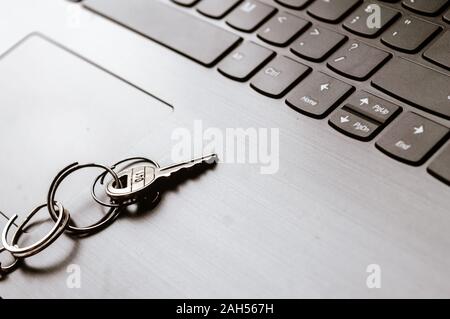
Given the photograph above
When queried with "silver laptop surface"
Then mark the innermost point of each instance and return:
(334, 153)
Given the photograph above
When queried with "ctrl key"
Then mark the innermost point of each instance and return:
(412, 139)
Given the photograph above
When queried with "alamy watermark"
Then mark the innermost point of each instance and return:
(233, 145)
(374, 18)
(73, 280)
(373, 281)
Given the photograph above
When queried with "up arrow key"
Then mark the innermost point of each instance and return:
(364, 101)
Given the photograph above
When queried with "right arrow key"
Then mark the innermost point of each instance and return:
(412, 139)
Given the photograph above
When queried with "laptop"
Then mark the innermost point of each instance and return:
(330, 119)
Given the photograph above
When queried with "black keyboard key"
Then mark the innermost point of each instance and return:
(362, 23)
(282, 28)
(373, 107)
(318, 94)
(427, 7)
(278, 77)
(440, 166)
(317, 44)
(353, 125)
(439, 51)
(245, 61)
(357, 60)
(186, 3)
(410, 34)
(332, 10)
(249, 15)
(415, 84)
(294, 4)
(189, 36)
(412, 139)
(216, 9)
(447, 16)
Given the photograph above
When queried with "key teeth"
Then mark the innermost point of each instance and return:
(187, 172)
(212, 159)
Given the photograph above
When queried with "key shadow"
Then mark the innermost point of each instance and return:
(59, 265)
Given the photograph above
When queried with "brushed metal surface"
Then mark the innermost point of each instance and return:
(335, 206)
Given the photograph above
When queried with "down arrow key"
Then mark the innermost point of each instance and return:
(353, 125)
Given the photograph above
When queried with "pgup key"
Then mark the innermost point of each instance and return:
(138, 180)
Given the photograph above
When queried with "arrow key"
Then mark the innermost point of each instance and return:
(373, 107)
(318, 94)
(352, 125)
(412, 139)
(282, 29)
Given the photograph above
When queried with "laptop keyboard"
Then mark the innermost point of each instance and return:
(322, 58)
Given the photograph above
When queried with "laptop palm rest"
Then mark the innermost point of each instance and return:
(58, 108)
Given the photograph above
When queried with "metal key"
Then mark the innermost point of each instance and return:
(139, 179)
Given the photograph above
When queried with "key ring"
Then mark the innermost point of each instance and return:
(109, 217)
(101, 179)
(7, 269)
(4, 270)
(60, 224)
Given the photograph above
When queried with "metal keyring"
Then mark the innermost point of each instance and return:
(47, 240)
(101, 179)
(4, 270)
(109, 217)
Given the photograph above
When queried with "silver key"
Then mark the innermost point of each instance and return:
(139, 179)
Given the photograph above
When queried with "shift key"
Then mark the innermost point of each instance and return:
(175, 29)
(412, 139)
(415, 84)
